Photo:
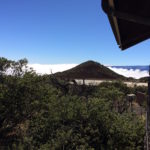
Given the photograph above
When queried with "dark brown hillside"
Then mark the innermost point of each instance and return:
(89, 70)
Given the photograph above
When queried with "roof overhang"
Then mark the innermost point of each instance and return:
(129, 19)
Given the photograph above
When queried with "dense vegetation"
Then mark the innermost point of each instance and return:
(144, 79)
(45, 113)
(90, 70)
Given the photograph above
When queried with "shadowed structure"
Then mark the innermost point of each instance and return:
(129, 19)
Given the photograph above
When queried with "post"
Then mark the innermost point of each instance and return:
(148, 114)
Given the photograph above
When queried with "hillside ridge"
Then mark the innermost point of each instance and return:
(90, 70)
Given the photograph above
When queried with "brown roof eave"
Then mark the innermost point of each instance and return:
(116, 16)
(113, 20)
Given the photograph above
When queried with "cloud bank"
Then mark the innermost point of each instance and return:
(48, 69)
(53, 68)
(130, 72)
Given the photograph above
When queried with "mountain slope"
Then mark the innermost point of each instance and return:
(89, 70)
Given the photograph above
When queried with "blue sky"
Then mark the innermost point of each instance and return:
(62, 31)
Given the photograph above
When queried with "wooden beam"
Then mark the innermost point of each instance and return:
(109, 8)
(106, 4)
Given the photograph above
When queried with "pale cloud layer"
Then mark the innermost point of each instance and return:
(130, 73)
(47, 69)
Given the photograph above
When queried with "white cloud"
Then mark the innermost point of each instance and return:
(47, 68)
(130, 73)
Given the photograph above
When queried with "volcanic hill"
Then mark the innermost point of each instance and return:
(90, 70)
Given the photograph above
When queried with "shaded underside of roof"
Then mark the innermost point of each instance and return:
(129, 19)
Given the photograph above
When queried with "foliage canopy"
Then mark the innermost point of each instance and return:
(42, 112)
